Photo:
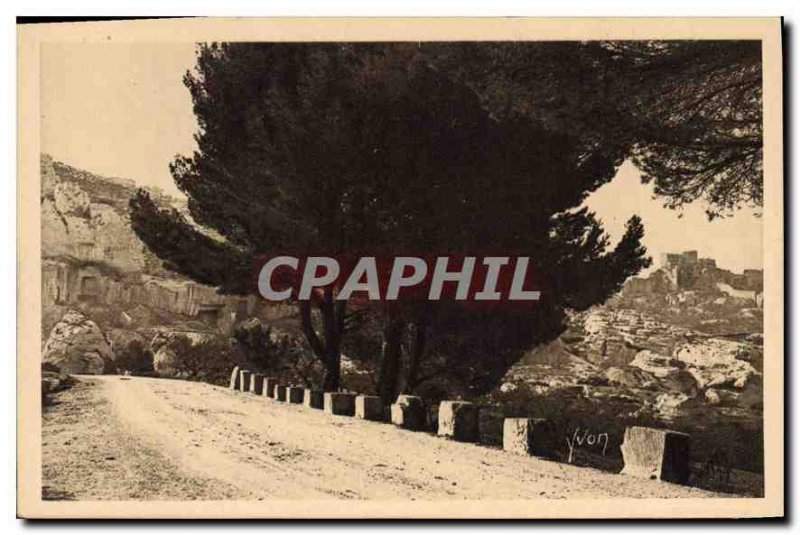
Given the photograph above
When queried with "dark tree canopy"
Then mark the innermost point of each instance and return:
(346, 147)
(689, 113)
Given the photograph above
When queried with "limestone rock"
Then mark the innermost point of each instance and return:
(747, 398)
(716, 363)
(653, 363)
(667, 405)
(77, 345)
(630, 377)
(458, 420)
(682, 382)
(71, 199)
(713, 397)
(656, 454)
(48, 175)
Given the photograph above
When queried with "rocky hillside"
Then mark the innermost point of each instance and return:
(101, 286)
(85, 217)
(682, 357)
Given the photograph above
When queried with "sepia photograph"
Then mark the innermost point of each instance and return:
(493, 268)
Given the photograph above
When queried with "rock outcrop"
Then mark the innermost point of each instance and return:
(639, 360)
(93, 261)
(78, 224)
(76, 345)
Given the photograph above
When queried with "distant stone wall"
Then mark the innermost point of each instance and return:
(685, 271)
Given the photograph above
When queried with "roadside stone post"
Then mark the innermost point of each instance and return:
(279, 393)
(234, 378)
(527, 436)
(458, 420)
(268, 388)
(369, 408)
(341, 403)
(244, 380)
(294, 394)
(313, 398)
(256, 383)
(408, 412)
(656, 454)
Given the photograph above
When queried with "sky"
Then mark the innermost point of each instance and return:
(122, 110)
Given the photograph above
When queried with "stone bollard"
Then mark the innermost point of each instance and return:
(491, 419)
(279, 393)
(340, 403)
(234, 378)
(256, 383)
(244, 380)
(294, 394)
(458, 420)
(369, 408)
(656, 454)
(268, 388)
(527, 436)
(313, 398)
(408, 412)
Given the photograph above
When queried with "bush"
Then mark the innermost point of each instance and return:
(135, 358)
(262, 349)
(207, 360)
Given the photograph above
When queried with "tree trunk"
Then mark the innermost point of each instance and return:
(416, 355)
(328, 348)
(388, 377)
(331, 373)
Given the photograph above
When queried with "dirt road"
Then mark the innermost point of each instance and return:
(142, 438)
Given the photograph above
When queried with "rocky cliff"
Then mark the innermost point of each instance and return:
(95, 265)
(686, 355)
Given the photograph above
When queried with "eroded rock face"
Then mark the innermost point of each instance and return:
(71, 199)
(77, 345)
(667, 405)
(646, 367)
(630, 377)
(84, 216)
(717, 363)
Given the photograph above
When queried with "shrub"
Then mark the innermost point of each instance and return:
(207, 360)
(262, 349)
(134, 357)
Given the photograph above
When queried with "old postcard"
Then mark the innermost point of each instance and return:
(401, 268)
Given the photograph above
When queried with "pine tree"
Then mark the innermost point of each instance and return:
(332, 148)
(688, 113)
